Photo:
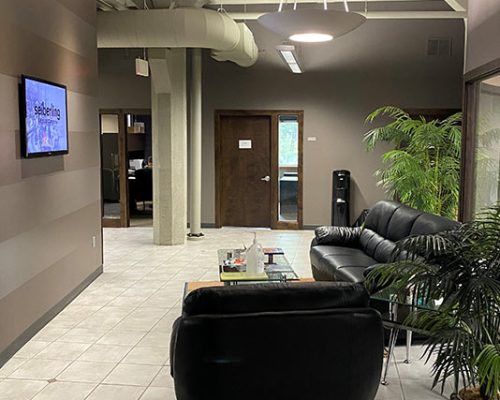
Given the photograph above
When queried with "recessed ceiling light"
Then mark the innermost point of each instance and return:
(308, 25)
(311, 37)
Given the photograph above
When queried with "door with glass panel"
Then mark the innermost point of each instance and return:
(481, 145)
(258, 157)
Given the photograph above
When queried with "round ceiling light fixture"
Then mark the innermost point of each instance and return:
(311, 25)
(311, 37)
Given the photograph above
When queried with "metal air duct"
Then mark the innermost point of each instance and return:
(178, 28)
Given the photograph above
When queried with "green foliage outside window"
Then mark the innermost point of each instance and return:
(288, 143)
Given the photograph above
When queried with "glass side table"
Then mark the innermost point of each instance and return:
(397, 306)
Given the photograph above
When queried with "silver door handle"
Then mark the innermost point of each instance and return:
(266, 178)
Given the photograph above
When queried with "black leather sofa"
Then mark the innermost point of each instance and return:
(279, 341)
(343, 253)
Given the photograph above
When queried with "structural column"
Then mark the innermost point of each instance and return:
(195, 209)
(169, 118)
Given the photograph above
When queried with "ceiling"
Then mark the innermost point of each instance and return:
(256, 6)
(380, 43)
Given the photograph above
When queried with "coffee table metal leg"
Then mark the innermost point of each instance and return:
(390, 353)
(409, 335)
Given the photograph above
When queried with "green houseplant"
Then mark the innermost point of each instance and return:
(461, 268)
(422, 170)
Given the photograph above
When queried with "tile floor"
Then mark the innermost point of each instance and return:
(112, 341)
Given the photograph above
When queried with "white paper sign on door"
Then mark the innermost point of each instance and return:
(245, 144)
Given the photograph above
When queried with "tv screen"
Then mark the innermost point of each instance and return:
(44, 123)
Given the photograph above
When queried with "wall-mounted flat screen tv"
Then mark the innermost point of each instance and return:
(44, 118)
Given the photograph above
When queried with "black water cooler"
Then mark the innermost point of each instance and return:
(341, 195)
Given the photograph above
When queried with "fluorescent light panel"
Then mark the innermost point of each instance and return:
(295, 68)
(289, 56)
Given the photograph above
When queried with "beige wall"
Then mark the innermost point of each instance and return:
(119, 86)
(336, 101)
(382, 63)
(49, 207)
(483, 32)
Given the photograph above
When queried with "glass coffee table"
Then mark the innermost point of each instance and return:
(233, 272)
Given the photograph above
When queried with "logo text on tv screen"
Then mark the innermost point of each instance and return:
(46, 124)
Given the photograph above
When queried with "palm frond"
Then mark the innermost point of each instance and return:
(423, 169)
(461, 269)
(390, 111)
(488, 370)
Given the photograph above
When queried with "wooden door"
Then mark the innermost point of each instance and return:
(245, 170)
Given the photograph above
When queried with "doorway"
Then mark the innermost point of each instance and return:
(115, 211)
(140, 166)
(258, 157)
(126, 167)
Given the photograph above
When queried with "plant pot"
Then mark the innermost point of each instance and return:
(471, 393)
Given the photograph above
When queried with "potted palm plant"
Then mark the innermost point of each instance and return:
(422, 170)
(461, 269)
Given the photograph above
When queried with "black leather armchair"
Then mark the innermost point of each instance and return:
(279, 341)
(343, 254)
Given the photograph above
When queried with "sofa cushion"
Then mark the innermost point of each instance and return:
(354, 262)
(348, 260)
(401, 223)
(377, 246)
(380, 215)
(428, 224)
(319, 252)
(275, 297)
(384, 251)
(350, 274)
(370, 241)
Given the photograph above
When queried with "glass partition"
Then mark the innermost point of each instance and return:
(487, 144)
(288, 168)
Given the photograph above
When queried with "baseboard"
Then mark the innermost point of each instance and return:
(310, 227)
(212, 225)
(205, 225)
(46, 318)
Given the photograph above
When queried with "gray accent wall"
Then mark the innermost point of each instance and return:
(483, 32)
(49, 207)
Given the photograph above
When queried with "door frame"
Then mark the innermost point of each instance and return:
(124, 221)
(274, 223)
(472, 80)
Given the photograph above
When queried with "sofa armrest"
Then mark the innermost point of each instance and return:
(337, 235)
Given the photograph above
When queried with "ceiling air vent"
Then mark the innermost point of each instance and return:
(439, 47)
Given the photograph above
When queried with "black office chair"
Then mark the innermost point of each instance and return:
(143, 185)
(285, 341)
